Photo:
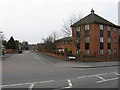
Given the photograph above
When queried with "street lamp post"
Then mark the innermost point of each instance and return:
(1, 59)
(1, 43)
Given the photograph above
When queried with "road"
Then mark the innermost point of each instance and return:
(35, 70)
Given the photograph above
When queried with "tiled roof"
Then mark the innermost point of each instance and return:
(93, 18)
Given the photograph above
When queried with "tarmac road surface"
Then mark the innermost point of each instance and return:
(35, 70)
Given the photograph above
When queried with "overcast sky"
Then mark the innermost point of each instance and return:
(32, 20)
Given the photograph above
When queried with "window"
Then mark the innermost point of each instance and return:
(101, 52)
(109, 46)
(78, 45)
(77, 51)
(108, 28)
(87, 40)
(101, 45)
(109, 34)
(86, 27)
(109, 51)
(87, 52)
(101, 39)
(87, 33)
(78, 40)
(114, 29)
(86, 45)
(101, 27)
(78, 29)
(115, 50)
(109, 40)
(78, 34)
(115, 40)
(101, 33)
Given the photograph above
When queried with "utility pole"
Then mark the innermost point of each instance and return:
(1, 44)
(1, 59)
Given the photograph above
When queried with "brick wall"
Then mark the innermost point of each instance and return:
(11, 51)
(94, 42)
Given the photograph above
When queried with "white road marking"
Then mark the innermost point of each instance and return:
(27, 83)
(86, 76)
(100, 77)
(97, 75)
(31, 86)
(107, 80)
(69, 82)
(116, 73)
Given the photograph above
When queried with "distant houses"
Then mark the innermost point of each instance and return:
(64, 45)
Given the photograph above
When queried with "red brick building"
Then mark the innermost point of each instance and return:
(95, 36)
(63, 44)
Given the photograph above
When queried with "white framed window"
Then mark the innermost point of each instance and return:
(109, 40)
(101, 39)
(108, 28)
(101, 27)
(78, 40)
(78, 29)
(115, 50)
(101, 51)
(87, 52)
(87, 40)
(77, 51)
(86, 27)
(114, 29)
(115, 40)
(109, 51)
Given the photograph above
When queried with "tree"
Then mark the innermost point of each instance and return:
(66, 27)
(17, 44)
(49, 43)
(4, 42)
(25, 45)
(11, 44)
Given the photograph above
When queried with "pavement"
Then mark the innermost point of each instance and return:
(78, 64)
(81, 64)
(7, 55)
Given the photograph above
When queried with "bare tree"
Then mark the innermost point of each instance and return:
(66, 27)
(49, 43)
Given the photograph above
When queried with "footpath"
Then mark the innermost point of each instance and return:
(6, 56)
(78, 64)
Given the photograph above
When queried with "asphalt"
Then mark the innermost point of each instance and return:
(76, 64)
(31, 70)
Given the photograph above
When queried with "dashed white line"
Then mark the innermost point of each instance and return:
(14, 84)
(86, 76)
